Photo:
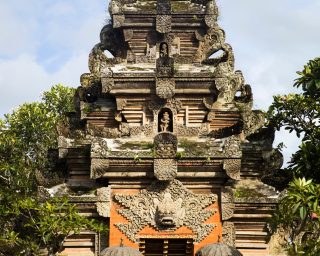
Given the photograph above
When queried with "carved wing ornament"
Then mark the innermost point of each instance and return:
(166, 206)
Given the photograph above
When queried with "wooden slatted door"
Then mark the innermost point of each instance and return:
(166, 247)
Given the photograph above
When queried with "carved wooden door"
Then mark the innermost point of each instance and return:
(166, 247)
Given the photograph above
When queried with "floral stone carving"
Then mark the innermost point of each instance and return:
(166, 206)
(165, 88)
(165, 169)
(104, 200)
(99, 157)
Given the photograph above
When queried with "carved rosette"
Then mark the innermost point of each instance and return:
(228, 233)
(104, 201)
(163, 23)
(165, 88)
(165, 169)
(166, 206)
(232, 168)
(227, 203)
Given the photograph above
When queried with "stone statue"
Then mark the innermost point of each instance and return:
(165, 120)
(164, 50)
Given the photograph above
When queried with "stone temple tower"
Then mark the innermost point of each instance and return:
(166, 138)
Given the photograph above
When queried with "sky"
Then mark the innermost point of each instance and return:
(45, 42)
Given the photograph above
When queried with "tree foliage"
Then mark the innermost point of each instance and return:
(28, 222)
(300, 113)
(298, 211)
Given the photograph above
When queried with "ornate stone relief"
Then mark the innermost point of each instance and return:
(227, 203)
(165, 145)
(211, 14)
(165, 169)
(97, 60)
(163, 23)
(99, 157)
(228, 233)
(104, 201)
(107, 84)
(99, 148)
(209, 43)
(232, 147)
(166, 206)
(232, 168)
(165, 88)
(165, 67)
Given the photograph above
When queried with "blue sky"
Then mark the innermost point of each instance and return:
(45, 42)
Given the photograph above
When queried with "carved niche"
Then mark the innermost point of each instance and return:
(104, 201)
(166, 206)
(157, 106)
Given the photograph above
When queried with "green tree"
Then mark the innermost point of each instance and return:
(298, 211)
(300, 113)
(28, 222)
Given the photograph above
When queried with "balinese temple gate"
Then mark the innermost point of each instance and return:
(165, 136)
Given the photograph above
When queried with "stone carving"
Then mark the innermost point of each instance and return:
(163, 23)
(165, 145)
(165, 122)
(169, 213)
(211, 14)
(227, 203)
(107, 84)
(98, 167)
(97, 60)
(104, 201)
(118, 20)
(165, 65)
(228, 233)
(209, 43)
(165, 169)
(147, 208)
(232, 168)
(121, 103)
(165, 88)
(99, 148)
(232, 147)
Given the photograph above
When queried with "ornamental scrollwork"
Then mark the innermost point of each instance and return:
(166, 206)
(165, 145)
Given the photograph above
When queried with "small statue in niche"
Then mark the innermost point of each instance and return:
(164, 50)
(165, 120)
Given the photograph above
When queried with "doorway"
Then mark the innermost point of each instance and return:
(166, 247)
